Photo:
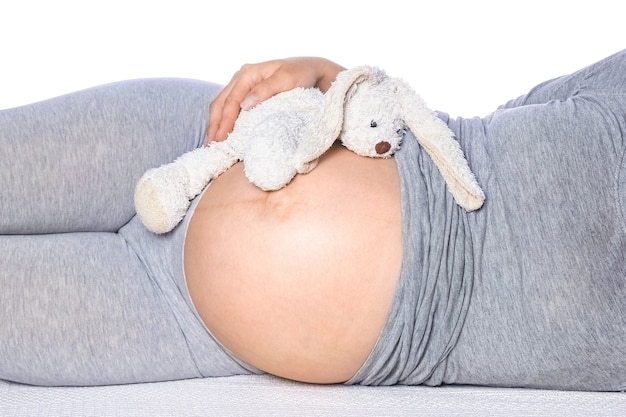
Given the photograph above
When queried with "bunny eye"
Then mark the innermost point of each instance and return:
(373, 124)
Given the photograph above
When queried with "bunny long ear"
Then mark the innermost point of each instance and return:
(439, 142)
(323, 132)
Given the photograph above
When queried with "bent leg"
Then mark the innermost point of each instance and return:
(71, 163)
(80, 309)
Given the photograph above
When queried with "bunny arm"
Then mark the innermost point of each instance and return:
(272, 134)
(162, 194)
(269, 156)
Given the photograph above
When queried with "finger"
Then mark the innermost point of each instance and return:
(216, 108)
(211, 133)
(246, 89)
(268, 87)
(215, 115)
(227, 105)
(252, 84)
(221, 116)
(230, 112)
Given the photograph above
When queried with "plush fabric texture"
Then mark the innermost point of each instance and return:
(285, 135)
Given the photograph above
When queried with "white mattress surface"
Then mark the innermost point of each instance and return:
(269, 396)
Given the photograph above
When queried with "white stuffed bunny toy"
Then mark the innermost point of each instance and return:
(286, 134)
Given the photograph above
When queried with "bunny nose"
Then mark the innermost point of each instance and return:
(382, 147)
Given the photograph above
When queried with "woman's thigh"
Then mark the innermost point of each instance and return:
(71, 163)
(81, 309)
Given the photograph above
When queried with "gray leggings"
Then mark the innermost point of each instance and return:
(87, 295)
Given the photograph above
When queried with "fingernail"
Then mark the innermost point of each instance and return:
(249, 102)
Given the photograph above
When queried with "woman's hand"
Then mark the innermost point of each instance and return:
(254, 83)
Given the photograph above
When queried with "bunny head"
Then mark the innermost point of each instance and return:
(368, 111)
(373, 124)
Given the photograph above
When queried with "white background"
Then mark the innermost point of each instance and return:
(464, 57)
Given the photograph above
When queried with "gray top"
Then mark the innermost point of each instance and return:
(530, 289)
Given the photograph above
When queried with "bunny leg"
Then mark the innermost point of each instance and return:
(163, 194)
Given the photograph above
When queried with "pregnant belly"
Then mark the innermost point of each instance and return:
(298, 282)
